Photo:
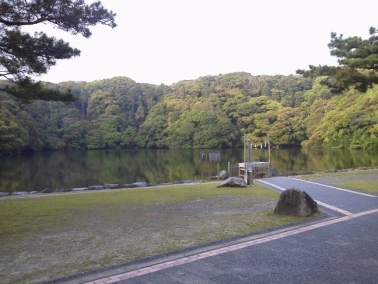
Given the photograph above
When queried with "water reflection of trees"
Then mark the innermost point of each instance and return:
(84, 168)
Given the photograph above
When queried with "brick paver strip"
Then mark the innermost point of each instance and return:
(184, 260)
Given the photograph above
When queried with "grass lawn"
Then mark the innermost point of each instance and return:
(362, 185)
(362, 180)
(46, 237)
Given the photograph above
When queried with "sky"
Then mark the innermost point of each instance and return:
(166, 41)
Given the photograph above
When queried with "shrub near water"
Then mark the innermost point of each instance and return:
(52, 236)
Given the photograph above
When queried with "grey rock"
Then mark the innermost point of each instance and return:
(112, 186)
(233, 182)
(80, 189)
(129, 185)
(20, 193)
(96, 187)
(63, 189)
(140, 184)
(295, 202)
(47, 190)
(223, 175)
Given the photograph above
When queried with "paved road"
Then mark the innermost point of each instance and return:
(342, 248)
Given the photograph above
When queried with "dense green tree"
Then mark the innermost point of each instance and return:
(18, 131)
(152, 132)
(358, 60)
(289, 128)
(23, 55)
(11, 132)
(74, 136)
(94, 139)
(210, 112)
(81, 94)
(201, 129)
(343, 121)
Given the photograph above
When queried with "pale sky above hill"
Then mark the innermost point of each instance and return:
(166, 41)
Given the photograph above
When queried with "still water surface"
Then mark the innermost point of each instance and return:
(85, 168)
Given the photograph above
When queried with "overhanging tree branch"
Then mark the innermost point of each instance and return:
(23, 55)
(358, 63)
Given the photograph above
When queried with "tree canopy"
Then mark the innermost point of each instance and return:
(23, 55)
(358, 60)
(209, 112)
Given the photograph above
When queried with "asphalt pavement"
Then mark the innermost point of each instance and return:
(339, 248)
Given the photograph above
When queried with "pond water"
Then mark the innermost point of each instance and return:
(69, 169)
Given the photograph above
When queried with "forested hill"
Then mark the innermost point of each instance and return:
(209, 112)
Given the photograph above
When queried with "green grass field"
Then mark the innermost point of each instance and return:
(51, 236)
(45, 237)
(362, 180)
(362, 185)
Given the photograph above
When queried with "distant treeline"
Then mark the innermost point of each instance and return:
(209, 112)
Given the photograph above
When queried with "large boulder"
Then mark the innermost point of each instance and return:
(233, 182)
(295, 202)
(223, 175)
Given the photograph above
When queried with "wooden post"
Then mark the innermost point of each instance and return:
(245, 164)
(270, 166)
(269, 148)
(244, 158)
(203, 161)
(249, 150)
(218, 169)
(203, 179)
(208, 166)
